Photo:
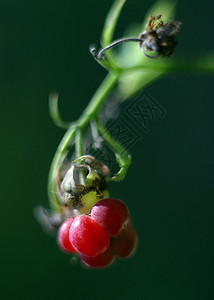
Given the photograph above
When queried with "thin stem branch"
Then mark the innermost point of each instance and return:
(79, 153)
(79, 143)
(101, 52)
(54, 111)
(122, 156)
(176, 65)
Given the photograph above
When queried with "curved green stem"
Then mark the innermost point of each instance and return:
(122, 156)
(109, 28)
(54, 111)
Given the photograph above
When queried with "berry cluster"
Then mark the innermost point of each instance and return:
(101, 235)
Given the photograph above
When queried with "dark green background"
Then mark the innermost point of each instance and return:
(169, 187)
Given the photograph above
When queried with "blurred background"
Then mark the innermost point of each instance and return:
(169, 187)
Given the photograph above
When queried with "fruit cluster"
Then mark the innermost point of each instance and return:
(101, 235)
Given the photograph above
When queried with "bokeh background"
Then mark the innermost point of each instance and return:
(168, 189)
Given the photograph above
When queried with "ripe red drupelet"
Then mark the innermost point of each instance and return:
(125, 243)
(87, 237)
(110, 214)
(63, 236)
(102, 260)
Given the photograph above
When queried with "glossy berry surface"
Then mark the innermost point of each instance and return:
(125, 243)
(87, 237)
(103, 259)
(110, 214)
(63, 236)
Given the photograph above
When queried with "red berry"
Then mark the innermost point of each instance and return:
(110, 214)
(63, 236)
(103, 259)
(87, 237)
(125, 243)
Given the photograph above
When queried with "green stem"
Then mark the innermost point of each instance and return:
(109, 28)
(199, 65)
(79, 143)
(122, 156)
(98, 98)
(94, 130)
(179, 65)
(76, 129)
(54, 111)
(79, 153)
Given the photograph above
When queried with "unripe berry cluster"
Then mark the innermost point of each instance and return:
(101, 235)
